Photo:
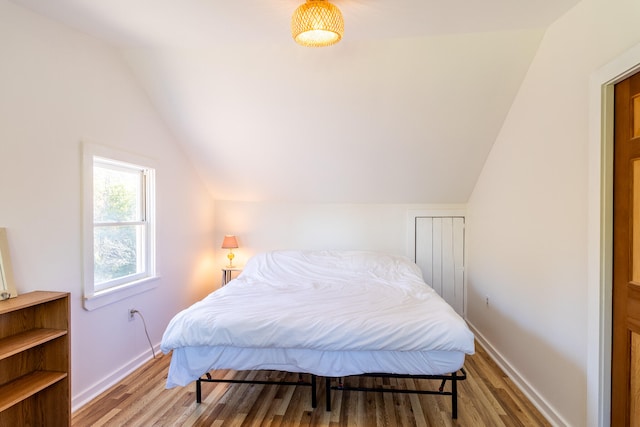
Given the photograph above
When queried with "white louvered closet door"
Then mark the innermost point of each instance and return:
(440, 256)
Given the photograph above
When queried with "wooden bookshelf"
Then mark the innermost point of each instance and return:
(34, 360)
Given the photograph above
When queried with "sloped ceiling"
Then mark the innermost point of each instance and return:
(403, 110)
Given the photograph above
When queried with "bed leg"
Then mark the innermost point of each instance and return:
(314, 396)
(454, 395)
(198, 391)
(327, 391)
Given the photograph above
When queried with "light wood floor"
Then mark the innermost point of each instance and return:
(486, 398)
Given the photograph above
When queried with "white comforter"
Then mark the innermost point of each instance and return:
(331, 301)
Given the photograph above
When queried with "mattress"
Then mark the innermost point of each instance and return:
(331, 313)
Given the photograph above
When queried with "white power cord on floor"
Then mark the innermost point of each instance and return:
(145, 330)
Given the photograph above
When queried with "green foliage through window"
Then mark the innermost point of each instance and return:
(115, 253)
(119, 228)
(116, 195)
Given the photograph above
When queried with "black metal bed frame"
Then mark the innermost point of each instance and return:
(300, 382)
(453, 377)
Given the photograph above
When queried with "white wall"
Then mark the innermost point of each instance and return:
(263, 226)
(59, 87)
(527, 217)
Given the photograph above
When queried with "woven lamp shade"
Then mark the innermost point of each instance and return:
(317, 23)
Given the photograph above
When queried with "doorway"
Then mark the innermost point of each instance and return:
(625, 356)
(600, 232)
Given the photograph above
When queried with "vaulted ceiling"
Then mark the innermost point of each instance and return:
(403, 110)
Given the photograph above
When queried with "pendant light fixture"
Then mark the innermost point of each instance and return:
(317, 23)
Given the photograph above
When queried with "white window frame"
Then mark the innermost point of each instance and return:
(99, 295)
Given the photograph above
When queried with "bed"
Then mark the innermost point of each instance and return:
(332, 314)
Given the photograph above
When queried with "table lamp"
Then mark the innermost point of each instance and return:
(230, 243)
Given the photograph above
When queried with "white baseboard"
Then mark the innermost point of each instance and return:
(85, 396)
(538, 401)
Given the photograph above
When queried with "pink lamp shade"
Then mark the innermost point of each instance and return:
(229, 242)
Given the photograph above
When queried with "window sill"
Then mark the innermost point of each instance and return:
(109, 296)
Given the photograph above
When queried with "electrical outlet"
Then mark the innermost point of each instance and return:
(132, 312)
(486, 299)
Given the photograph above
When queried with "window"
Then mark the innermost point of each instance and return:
(119, 229)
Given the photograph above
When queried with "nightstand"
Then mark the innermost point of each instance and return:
(227, 273)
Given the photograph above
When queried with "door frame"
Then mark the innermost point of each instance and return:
(437, 212)
(600, 232)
